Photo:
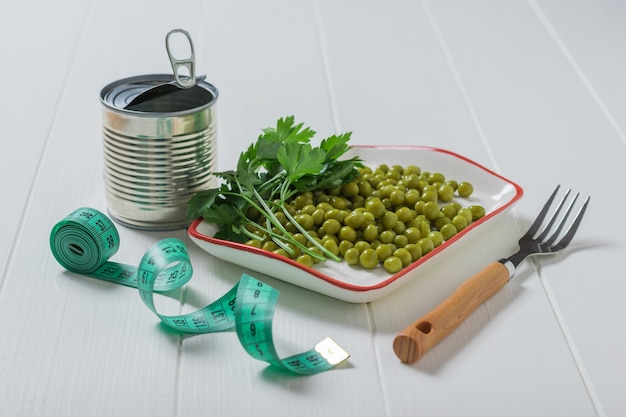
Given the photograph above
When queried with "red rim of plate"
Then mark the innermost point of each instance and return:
(193, 231)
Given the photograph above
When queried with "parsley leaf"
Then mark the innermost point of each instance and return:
(281, 163)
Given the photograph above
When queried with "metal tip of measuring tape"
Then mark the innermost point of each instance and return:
(331, 351)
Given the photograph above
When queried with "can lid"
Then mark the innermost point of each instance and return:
(119, 94)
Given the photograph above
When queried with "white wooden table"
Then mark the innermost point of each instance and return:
(533, 89)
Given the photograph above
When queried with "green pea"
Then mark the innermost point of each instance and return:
(269, 246)
(404, 255)
(256, 243)
(453, 184)
(441, 221)
(419, 207)
(334, 213)
(334, 238)
(426, 244)
(362, 245)
(415, 250)
(383, 252)
(448, 230)
(465, 189)
(392, 264)
(344, 245)
(449, 211)
(460, 222)
(303, 199)
(424, 228)
(325, 205)
(467, 213)
(411, 180)
(370, 233)
(307, 209)
(295, 250)
(352, 256)
(375, 206)
(331, 226)
(369, 218)
(313, 233)
(347, 233)
(281, 252)
(436, 177)
(399, 228)
(365, 188)
(318, 216)
(306, 260)
(316, 250)
(397, 197)
(386, 188)
(305, 220)
(431, 210)
(400, 241)
(412, 169)
(413, 234)
(355, 219)
(393, 174)
(357, 201)
(436, 237)
(368, 259)
(280, 216)
(350, 189)
(477, 212)
(387, 236)
(430, 195)
(338, 202)
(389, 219)
(291, 228)
(332, 246)
(411, 196)
(445, 193)
(404, 214)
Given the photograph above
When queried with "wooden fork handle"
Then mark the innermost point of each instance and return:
(417, 339)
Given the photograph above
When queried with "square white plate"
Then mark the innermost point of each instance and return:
(355, 284)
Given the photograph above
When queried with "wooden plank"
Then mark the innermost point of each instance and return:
(37, 53)
(544, 119)
(590, 36)
(75, 346)
(262, 78)
(492, 350)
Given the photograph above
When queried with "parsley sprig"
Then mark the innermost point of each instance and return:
(279, 165)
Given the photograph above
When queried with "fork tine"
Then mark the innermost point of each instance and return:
(571, 231)
(542, 214)
(563, 219)
(547, 228)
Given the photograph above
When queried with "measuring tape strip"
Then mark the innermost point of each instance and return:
(85, 240)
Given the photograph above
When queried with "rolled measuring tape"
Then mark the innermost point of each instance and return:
(85, 240)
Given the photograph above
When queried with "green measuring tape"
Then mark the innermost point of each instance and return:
(85, 240)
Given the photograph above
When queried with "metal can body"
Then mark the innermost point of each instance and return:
(157, 155)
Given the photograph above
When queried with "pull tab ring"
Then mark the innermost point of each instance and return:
(184, 81)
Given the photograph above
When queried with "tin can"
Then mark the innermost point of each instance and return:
(159, 153)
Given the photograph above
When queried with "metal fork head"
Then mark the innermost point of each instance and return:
(545, 241)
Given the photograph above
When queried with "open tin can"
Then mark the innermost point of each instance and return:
(158, 151)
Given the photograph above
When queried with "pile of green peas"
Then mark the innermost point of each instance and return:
(389, 216)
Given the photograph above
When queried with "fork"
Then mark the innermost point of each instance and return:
(419, 337)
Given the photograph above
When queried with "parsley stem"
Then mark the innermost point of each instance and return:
(308, 236)
(272, 218)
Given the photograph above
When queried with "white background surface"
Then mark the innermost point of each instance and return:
(534, 90)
